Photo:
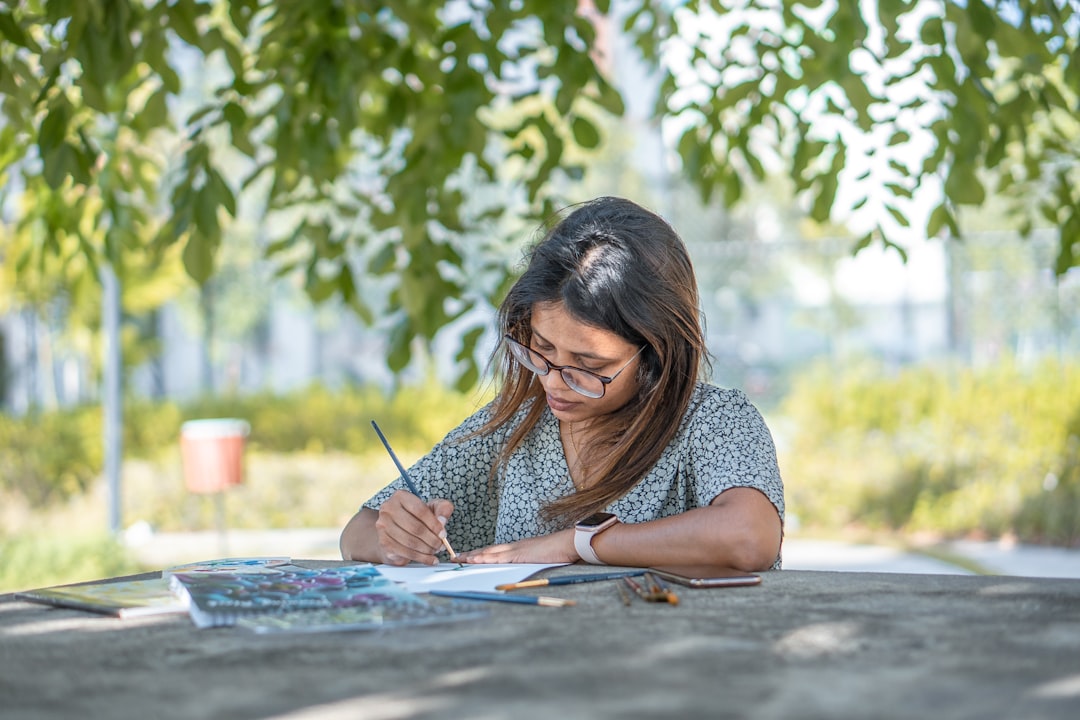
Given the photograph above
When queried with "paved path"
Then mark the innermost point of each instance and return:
(801, 554)
(995, 558)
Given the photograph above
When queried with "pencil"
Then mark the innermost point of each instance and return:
(409, 482)
(659, 590)
(502, 597)
(640, 591)
(568, 580)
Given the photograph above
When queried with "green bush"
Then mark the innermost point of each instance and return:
(948, 450)
(49, 457)
(40, 560)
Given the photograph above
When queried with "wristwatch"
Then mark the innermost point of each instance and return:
(586, 530)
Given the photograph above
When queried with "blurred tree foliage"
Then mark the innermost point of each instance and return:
(364, 132)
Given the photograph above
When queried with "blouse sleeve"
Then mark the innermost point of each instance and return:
(730, 446)
(458, 469)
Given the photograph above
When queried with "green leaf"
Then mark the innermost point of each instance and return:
(206, 213)
(863, 243)
(241, 13)
(1068, 256)
(10, 29)
(198, 258)
(585, 133)
(347, 289)
(220, 191)
(384, 261)
(899, 190)
(898, 216)
(898, 248)
(963, 186)
(939, 218)
(733, 188)
(319, 289)
(899, 137)
(401, 337)
(610, 99)
(182, 18)
(982, 18)
(58, 165)
(154, 114)
(823, 201)
(54, 127)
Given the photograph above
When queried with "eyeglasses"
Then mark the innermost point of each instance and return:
(583, 382)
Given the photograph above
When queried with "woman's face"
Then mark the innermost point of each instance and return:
(564, 340)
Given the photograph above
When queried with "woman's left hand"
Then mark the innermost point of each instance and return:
(554, 548)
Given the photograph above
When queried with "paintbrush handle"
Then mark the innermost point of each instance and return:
(569, 579)
(501, 597)
(408, 481)
(401, 468)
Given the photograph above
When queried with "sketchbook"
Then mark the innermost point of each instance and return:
(123, 599)
(245, 565)
(451, 576)
(297, 599)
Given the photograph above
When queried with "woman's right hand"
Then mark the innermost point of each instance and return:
(410, 530)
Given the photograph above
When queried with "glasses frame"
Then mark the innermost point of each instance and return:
(605, 380)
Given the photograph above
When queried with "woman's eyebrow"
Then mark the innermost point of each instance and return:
(584, 355)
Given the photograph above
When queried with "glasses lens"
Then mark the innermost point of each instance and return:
(583, 383)
(527, 357)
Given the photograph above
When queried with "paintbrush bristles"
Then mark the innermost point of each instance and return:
(555, 601)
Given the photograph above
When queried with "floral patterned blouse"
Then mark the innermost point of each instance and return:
(722, 443)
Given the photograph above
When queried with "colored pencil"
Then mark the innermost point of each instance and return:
(655, 592)
(659, 590)
(502, 597)
(409, 482)
(640, 591)
(568, 579)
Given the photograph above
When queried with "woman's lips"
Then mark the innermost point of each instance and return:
(558, 404)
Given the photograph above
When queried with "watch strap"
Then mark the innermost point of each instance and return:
(583, 545)
(583, 538)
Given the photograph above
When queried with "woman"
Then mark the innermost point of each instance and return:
(600, 409)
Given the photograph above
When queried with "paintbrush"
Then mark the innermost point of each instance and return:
(411, 485)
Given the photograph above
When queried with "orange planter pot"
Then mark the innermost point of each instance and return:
(212, 452)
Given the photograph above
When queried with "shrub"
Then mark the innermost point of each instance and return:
(48, 457)
(951, 450)
(39, 560)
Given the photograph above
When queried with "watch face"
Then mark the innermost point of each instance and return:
(596, 519)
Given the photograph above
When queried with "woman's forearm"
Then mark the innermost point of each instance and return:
(740, 529)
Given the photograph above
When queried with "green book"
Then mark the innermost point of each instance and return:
(123, 599)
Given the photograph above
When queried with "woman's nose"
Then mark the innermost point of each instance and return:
(554, 381)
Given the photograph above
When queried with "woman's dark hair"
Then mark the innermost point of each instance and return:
(616, 266)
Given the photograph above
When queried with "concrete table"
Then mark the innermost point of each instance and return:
(800, 645)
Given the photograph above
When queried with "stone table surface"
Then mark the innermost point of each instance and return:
(802, 644)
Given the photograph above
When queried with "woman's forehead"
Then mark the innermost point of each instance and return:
(552, 322)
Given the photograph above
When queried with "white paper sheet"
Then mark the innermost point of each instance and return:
(451, 576)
